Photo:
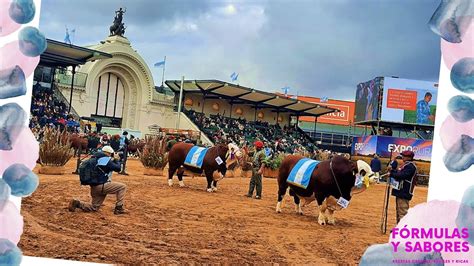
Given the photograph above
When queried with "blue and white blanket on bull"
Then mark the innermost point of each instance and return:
(195, 156)
(301, 172)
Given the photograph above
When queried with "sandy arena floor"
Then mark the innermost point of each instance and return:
(178, 225)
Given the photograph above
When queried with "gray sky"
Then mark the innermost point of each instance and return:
(321, 48)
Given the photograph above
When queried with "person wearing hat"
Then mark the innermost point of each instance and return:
(404, 185)
(257, 170)
(107, 163)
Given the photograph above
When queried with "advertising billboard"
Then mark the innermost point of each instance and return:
(364, 146)
(344, 117)
(421, 148)
(367, 100)
(409, 101)
(381, 145)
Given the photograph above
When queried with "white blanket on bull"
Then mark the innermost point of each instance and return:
(195, 156)
(301, 173)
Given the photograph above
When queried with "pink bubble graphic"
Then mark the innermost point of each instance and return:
(11, 223)
(451, 131)
(7, 25)
(12, 56)
(453, 52)
(25, 151)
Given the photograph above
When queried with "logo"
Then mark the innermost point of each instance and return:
(359, 146)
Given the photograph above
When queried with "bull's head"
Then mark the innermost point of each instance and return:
(234, 155)
(364, 177)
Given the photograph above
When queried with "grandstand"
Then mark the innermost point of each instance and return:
(229, 111)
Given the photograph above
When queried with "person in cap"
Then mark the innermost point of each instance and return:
(107, 164)
(405, 182)
(257, 170)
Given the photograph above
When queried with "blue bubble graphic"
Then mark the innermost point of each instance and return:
(12, 122)
(462, 75)
(22, 11)
(12, 82)
(465, 218)
(461, 108)
(380, 254)
(450, 20)
(10, 254)
(21, 180)
(5, 192)
(32, 41)
(461, 155)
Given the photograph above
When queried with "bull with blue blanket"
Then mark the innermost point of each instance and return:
(325, 181)
(212, 161)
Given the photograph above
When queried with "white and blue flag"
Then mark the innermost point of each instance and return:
(234, 76)
(160, 64)
(195, 156)
(301, 173)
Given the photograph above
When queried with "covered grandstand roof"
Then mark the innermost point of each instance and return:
(64, 55)
(243, 95)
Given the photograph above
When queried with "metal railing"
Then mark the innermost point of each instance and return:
(64, 77)
(59, 95)
(330, 138)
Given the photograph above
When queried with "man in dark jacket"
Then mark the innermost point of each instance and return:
(404, 185)
(107, 164)
(376, 166)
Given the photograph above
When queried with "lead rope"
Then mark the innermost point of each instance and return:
(333, 175)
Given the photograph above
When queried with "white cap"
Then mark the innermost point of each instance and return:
(108, 149)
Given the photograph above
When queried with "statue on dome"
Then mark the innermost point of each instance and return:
(118, 27)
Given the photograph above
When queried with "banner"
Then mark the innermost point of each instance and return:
(381, 145)
(344, 117)
(421, 148)
(409, 101)
(364, 146)
(367, 100)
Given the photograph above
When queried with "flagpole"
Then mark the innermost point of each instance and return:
(163, 76)
(179, 102)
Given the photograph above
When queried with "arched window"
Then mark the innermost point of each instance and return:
(110, 96)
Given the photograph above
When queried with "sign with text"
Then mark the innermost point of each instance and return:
(343, 117)
(381, 145)
(409, 101)
(401, 99)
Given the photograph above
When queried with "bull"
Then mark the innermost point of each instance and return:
(79, 141)
(212, 169)
(330, 180)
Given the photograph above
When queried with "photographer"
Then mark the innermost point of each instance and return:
(103, 185)
(404, 185)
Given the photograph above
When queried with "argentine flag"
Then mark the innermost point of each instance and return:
(159, 64)
(234, 76)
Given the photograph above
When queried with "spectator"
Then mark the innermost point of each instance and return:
(376, 167)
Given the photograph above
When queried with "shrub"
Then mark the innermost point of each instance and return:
(275, 162)
(55, 148)
(154, 153)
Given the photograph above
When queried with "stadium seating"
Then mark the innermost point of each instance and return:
(218, 128)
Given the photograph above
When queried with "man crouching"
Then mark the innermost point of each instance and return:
(100, 182)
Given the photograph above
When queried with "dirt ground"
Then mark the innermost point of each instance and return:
(190, 225)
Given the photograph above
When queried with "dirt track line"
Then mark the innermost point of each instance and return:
(46, 226)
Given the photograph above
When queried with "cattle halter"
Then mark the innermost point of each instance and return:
(334, 176)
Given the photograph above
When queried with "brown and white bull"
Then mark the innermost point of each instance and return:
(330, 180)
(214, 171)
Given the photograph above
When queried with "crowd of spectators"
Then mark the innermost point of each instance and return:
(48, 111)
(287, 139)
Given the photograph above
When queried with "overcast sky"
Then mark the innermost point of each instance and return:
(321, 48)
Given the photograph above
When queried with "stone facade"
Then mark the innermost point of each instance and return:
(142, 106)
